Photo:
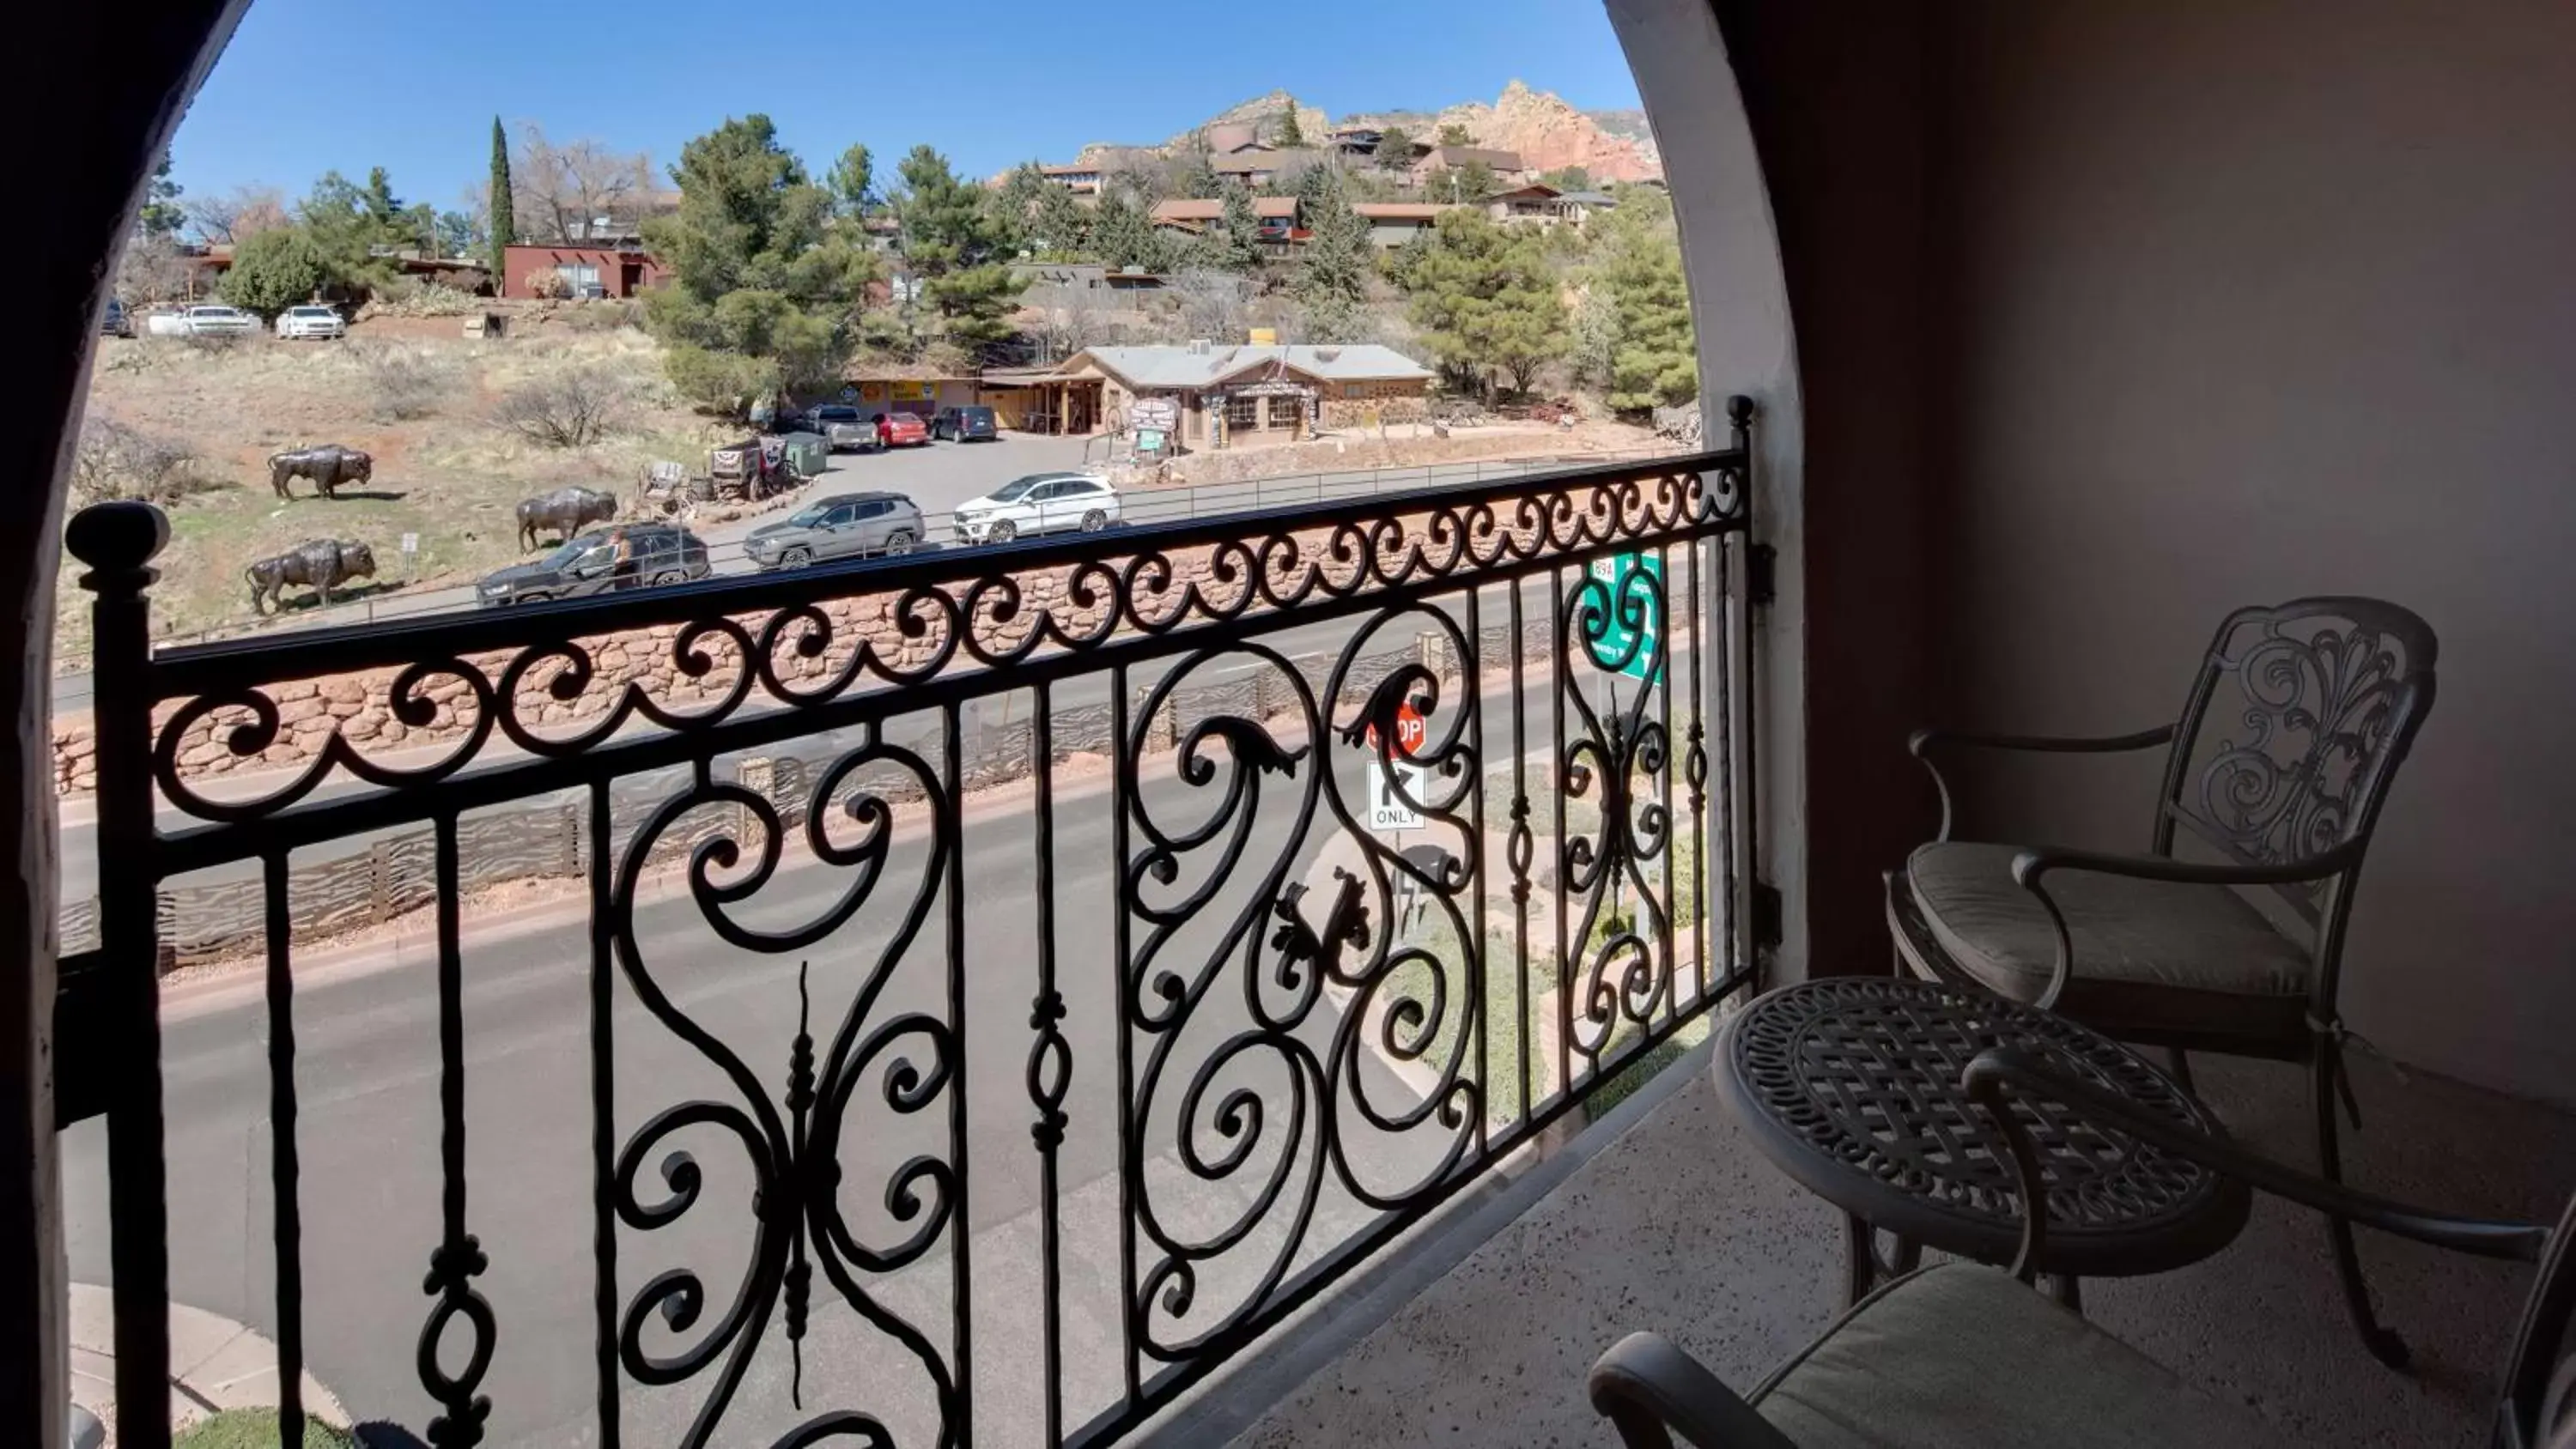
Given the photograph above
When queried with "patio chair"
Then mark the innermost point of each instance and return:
(2293, 729)
(1958, 1355)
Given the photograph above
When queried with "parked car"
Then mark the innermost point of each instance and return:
(843, 426)
(901, 430)
(604, 560)
(217, 322)
(165, 322)
(1038, 503)
(963, 425)
(113, 322)
(311, 323)
(845, 525)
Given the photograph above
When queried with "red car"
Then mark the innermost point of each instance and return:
(901, 430)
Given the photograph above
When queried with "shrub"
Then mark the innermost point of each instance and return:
(408, 382)
(256, 1429)
(603, 316)
(723, 383)
(117, 461)
(566, 409)
(274, 271)
(549, 286)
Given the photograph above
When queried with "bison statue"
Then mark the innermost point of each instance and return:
(564, 510)
(328, 466)
(320, 565)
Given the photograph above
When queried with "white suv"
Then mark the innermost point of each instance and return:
(1038, 503)
(311, 322)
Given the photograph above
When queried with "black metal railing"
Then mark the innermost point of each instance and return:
(996, 987)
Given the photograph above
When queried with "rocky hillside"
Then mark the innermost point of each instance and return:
(1544, 129)
(1540, 125)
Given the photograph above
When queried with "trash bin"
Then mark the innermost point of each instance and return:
(808, 454)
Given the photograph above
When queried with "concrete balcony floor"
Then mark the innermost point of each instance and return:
(1679, 1225)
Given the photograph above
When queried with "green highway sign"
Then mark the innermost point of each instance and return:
(1609, 589)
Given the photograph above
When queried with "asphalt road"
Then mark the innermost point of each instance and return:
(368, 1128)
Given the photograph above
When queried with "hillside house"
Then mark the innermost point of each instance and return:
(1264, 166)
(1082, 178)
(1536, 204)
(1281, 229)
(1393, 223)
(532, 269)
(1230, 396)
(1506, 166)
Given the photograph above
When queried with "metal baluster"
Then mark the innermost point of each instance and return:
(1130, 1131)
(603, 1117)
(287, 1209)
(118, 541)
(1471, 699)
(459, 1257)
(1050, 1065)
(1695, 772)
(953, 825)
(1558, 608)
(1521, 846)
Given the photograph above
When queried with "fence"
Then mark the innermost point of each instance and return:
(1319, 943)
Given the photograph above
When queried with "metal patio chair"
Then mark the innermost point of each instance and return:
(2284, 751)
(1958, 1356)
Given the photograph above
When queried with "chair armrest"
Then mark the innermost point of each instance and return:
(1920, 743)
(2001, 1073)
(2029, 867)
(1650, 1390)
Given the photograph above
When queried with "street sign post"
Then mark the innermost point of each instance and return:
(1613, 649)
(410, 551)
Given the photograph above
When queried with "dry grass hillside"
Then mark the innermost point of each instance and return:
(193, 426)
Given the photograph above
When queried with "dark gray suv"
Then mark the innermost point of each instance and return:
(845, 525)
(604, 560)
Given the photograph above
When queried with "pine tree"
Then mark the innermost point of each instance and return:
(1395, 149)
(161, 216)
(956, 244)
(1122, 235)
(1653, 361)
(505, 227)
(763, 295)
(1483, 296)
(853, 181)
(1061, 226)
(1333, 271)
(1290, 135)
(1232, 243)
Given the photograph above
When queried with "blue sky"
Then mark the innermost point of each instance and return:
(414, 87)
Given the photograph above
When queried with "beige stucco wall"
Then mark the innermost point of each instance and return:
(2250, 301)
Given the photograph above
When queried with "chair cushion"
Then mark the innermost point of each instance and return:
(1963, 1357)
(2150, 956)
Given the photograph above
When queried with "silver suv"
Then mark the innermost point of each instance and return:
(845, 525)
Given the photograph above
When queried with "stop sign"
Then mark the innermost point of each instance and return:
(1412, 731)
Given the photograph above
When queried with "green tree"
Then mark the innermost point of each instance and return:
(854, 181)
(1567, 178)
(1333, 269)
(458, 235)
(162, 215)
(1652, 359)
(762, 296)
(1454, 134)
(1016, 202)
(956, 243)
(1395, 149)
(1484, 297)
(1194, 172)
(505, 226)
(275, 270)
(1060, 228)
(1122, 235)
(1471, 182)
(1231, 243)
(349, 223)
(1289, 135)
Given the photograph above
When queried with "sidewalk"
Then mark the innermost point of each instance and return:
(215, 1363)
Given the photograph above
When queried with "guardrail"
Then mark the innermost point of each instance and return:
(1241, 988)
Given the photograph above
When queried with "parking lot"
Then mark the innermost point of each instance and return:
(939, 476)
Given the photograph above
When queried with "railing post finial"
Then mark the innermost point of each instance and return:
(118, 541)
(1739, 419)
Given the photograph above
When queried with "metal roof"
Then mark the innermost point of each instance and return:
(1179, 367)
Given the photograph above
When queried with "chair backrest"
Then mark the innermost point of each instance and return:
(2296, 725)
(2538, 1408)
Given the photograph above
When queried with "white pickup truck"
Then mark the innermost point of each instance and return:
(202, 322)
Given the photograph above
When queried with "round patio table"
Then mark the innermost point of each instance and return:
(1851, 1085)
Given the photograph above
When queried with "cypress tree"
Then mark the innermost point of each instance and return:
(505, 227)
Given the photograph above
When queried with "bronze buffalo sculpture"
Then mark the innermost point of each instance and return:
(319, 565)
(564, 510)
(328, 466)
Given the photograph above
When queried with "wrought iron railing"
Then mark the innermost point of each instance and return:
(1076, 955)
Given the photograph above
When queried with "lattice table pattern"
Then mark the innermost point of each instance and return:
(1851, 1085)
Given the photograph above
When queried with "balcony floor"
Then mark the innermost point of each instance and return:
(1681, 1226)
